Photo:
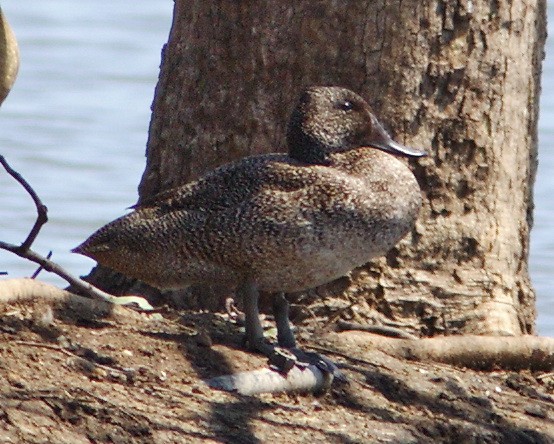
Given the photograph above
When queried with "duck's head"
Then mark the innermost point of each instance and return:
(331, 119)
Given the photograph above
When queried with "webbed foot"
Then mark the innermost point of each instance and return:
(286, 355)
(283, 360)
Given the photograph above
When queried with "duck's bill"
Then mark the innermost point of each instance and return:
(383, 141)
(395, 148)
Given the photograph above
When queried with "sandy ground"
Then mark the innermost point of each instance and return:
(65, 378)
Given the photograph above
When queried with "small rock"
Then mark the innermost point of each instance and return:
(43, 317)
(83, 365)
(198, 389)
(15, 381)
(118, 377)
(93, 356)
(447, 396)
(131, 374)
(455, 386)
(317, 405)
(63, 342)
(536, 411)
(99, 373)
(127, 353)
(146, 351)
(484, 402)
(143, 371)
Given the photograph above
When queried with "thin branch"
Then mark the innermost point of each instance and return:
(42, 210)
(25, 252)
(40, 268)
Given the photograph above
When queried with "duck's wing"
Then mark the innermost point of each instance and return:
(224, 187)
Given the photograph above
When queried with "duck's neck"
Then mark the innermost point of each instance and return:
(304, 147)
(308, 151)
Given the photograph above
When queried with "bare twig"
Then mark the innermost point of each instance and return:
(42, 210)
(40, 268)
(25, 252)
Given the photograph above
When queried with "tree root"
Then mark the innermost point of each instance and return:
(29, 290)
(382, 330)
(477, 352)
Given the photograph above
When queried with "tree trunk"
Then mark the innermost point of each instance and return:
(460, 79)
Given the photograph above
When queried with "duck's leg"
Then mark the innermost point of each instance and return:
(254, 330)
(287, 354)
(286, 340)
(285, 336)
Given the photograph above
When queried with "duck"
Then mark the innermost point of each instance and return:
(279, 222)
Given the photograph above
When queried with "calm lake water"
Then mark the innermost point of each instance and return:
(76, 125)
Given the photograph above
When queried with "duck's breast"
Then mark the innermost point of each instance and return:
(323, 231)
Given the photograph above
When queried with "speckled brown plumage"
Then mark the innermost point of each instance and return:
(287, 225)
(285, 222)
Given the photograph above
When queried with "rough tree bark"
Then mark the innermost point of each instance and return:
(461, 79)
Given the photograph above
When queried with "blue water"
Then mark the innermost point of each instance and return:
(76, 124)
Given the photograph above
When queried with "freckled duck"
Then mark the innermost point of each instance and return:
(275, 222)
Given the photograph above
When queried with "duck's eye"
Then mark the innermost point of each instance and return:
(346, 105)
